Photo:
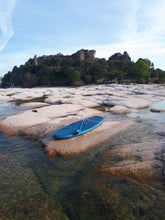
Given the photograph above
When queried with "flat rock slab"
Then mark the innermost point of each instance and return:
(32, 122)
(33, 105)
(43, 122)
(118, 109)
(131, 96)
(77, 145)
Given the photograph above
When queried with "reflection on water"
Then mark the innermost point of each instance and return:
(33, 186)
(146, 115)
(6, 109)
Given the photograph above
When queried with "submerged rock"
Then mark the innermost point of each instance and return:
(143, 162)
(158, 110)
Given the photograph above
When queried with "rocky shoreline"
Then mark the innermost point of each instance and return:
(62, 106)
(144, 162)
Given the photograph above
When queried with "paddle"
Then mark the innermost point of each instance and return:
(78, 131)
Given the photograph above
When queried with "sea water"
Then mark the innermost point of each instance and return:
(34, 186)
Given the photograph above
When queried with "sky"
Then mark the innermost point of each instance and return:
(40, 27)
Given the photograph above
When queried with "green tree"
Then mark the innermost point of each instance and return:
(140, 71)
(74, 76)
(43, 75)
(158, 76)
(6, 80)
(147, 61)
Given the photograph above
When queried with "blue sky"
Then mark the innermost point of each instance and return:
(40, 27)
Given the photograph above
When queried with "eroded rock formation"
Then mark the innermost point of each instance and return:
(84, 55)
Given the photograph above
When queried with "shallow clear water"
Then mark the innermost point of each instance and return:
(146, 115)
(160, 105)
(33, 186)
(7, 109)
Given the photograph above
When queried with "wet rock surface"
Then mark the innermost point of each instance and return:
(143, 162)
(158, 110)
(61, 106)
(120, 179)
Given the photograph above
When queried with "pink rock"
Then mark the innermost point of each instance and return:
(80, 144)
(119, 109)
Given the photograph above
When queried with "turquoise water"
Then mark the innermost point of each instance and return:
(33, 186)
(160, 105)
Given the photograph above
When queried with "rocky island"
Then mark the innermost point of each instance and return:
(82, 68)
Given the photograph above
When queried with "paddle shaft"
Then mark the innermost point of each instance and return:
(79, 130)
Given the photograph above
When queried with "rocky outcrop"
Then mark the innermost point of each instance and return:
(120, 57)
(120, 61)
(42, 59)
(84, 55)
(35, 60)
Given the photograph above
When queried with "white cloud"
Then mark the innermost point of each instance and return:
(135, 26)
(144, 33)
(6, 9)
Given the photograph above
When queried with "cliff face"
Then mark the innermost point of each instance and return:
(120, 57)
(120, 62)
(40, 60)
(84, 55)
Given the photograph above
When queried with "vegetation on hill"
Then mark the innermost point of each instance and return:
(82, 68)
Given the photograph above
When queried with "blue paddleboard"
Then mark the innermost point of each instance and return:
(78, 128)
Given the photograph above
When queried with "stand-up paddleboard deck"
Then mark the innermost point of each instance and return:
(78, 128)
